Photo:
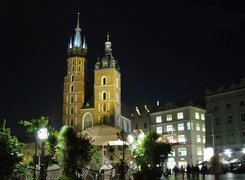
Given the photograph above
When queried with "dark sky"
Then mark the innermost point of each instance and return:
(169, 50)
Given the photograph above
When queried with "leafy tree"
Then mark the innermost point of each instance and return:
(10, 153)
(33, 125)
(147, 151)
(67, 152)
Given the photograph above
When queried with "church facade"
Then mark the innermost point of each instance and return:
(80, 110)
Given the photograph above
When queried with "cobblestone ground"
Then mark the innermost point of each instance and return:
(227, 176)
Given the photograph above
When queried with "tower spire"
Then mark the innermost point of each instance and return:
(77, 39)
(108, 44)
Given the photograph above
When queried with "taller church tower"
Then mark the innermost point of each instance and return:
(74, 81)
(107, 89)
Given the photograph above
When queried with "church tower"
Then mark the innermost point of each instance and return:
(74, 81)
(107, 89)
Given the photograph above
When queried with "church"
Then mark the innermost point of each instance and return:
(81, 110)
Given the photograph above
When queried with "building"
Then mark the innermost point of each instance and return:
(184, 127)
(82, 110)
(225, 121)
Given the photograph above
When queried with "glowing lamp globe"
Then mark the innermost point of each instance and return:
(42, 134)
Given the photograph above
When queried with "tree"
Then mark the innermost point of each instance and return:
(33, 125)
(147, 151)
(10, 153)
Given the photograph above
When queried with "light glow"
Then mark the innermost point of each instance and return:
(42, 133)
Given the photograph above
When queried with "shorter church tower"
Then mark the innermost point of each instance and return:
(74, 81)
(107, 89)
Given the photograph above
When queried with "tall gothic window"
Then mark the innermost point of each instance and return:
(103, 82)
(104, 95)
(71, 88)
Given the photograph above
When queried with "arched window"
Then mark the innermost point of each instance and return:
(71, 123)
(72, 78)
(104, 95)
(87, 120)
(72, 99)
(103, 80)
(71, 88)
(104, 108)
(71, 111)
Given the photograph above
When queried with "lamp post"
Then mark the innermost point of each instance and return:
(42, 135)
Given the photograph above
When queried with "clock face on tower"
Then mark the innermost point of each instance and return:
(88, 120)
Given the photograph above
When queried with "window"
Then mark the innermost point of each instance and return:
(180, 115)
(71, 100)
(145, 125)
(79, 68)
(197, 115)
(217, 121)
(243, 135)
(229, 119)
(242, 102)
(88, 120)
(228, 105)
(159, 130)
(72, 78)
(198, 138)
(242, 116)
(170, 128)
(204, 139)
(181, 138)
(198, 127)
(103, 80)
(170, 139)
(216, 107)
(71, 88)
(218, 139)
(104, 95)
(199, 151)
(231, 138)
(158, 119)
(71, 122)
(202, 117)
(182, 151)
(203, 128)
(71, 111)
(104, 108)
(169, 117)
(181, 127)
(190, 126)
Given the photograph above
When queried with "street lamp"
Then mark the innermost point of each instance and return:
(43, 136)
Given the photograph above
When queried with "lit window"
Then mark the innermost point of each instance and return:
(181, 138)
(190, 126)
(197, 126)
(198, 138)
(229, 119)
(182, 151)
(204, 139)
(170, 139)
(181, 127)
(159, 130)
(197, 115)
(202, 117)
(158, 119)
(180, 115)
(169, 117)
(203, 128)
(170, 128)
(199, 151)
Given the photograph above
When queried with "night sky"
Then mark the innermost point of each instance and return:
(170, 51)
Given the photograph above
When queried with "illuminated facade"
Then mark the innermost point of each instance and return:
(79, 111)
(184, 127)
(226, 121)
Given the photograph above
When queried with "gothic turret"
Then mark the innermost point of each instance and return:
(108, 61)
(78, 46)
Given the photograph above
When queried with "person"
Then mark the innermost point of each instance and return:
(216, 166)
(182, 171)
(193, 171)
(197, 171)
(188, 171)
(203, 170)
(175, 170)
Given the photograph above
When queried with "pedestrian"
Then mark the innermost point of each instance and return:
(203, 170)
(182, 171)
(197, 171)
(193, 171)
(188, 171)
(216, 166)
(175, 170)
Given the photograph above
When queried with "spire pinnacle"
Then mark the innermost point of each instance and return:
(77, 39)
(108, 44)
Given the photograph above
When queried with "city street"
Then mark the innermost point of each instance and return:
(226, 176)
